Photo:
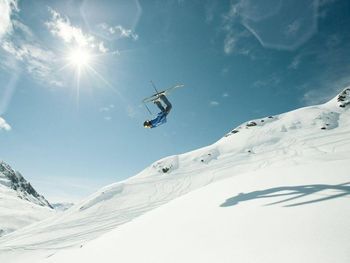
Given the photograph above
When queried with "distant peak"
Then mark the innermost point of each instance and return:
(15, 181)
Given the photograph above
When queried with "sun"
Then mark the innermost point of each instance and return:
(79, 58)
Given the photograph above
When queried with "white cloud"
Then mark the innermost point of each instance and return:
(56, 83)
(107, 111)
(61, 27)
(107, 108)
(119, 31)
(295, 62)
(214, 103)
(236, 36)
(293, 28)
(229, 43)
(225, 95)
(4, 125)
(102, 47)
(20, 44)
(6, 9)
(38, 61)
(11, 49)
(25, 29)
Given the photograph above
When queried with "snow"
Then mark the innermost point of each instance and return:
(16, 213)
(20, 204)
(60, 207)
(273, 189)
(254, 217)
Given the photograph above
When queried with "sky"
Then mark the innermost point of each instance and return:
(73, 75)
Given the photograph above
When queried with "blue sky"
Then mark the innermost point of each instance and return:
(73, 74)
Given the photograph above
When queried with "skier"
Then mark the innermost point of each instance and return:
(161, 116)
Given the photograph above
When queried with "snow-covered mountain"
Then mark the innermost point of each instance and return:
(20, 204)
(15, 181)
(281, 193)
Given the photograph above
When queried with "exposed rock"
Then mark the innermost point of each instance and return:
(14, 180)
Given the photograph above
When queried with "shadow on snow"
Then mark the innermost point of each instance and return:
(293, 193)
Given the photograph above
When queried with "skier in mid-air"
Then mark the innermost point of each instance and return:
(161, 116)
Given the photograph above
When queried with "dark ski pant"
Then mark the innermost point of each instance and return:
(166, 102)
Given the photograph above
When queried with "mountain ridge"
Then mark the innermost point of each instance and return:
(15, 181)
(20, 204)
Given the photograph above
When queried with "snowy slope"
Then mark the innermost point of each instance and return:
(281, 214)
(302, 140)
(20, 204)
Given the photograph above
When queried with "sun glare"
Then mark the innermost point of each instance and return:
(79, 58)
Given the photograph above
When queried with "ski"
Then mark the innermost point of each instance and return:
(156, 96)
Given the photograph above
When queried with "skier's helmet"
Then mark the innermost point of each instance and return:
(147, 124)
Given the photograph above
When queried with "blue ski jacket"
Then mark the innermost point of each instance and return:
(159, 120)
